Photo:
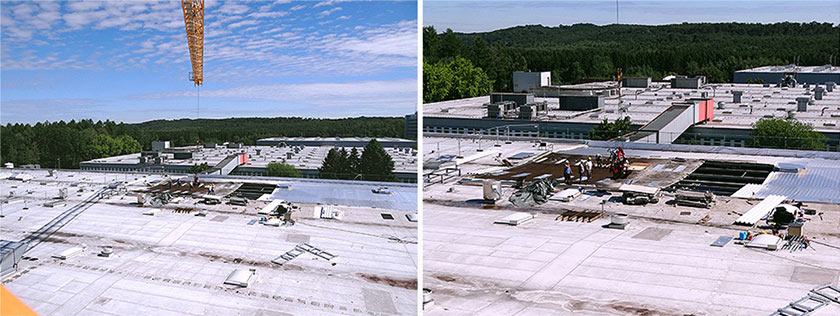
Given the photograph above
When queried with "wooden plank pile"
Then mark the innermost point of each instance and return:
(580, 216)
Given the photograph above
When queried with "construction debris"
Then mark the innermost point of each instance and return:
(301, 249)
(633, 194)
(795, 243)
(760, 210)
(535, 193)
(696, 199)
(815, 299)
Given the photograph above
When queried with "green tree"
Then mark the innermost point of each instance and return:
(199, 168)
(786, 134)
(451, 45)
(332, 166)
(455, 79)
(606, 130)
(437, 81)
(279, 169)
(353, 161)
(376, 164)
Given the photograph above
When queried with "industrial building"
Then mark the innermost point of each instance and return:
(305, 154)
(346, 142)
(524, 81)
(108, 243)
(596, 245)
(410, 126)
(803, 74)
(573, 110)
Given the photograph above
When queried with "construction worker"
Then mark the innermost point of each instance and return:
(567, 172)
(588, 168)
(579, 166)
(598, 160)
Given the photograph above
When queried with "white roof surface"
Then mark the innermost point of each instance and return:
(660, 264)
(644, 104)
(176, 263)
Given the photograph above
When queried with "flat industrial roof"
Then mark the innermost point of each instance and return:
(310, 157)
(662, 263)
(644, 104)
(175, 263)
(337, 139)
(795, 68)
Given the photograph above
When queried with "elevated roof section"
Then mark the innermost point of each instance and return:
(795, 68)
(642, 105)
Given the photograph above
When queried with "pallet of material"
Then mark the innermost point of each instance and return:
(183, 210)
(691, 198)
(580, 216)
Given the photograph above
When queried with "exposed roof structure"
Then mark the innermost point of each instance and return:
(666, 261)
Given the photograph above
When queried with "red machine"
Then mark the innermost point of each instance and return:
(619, 165)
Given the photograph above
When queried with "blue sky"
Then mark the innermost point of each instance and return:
(129, 61)
(488, 15)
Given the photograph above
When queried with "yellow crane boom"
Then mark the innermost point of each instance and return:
(194, 21)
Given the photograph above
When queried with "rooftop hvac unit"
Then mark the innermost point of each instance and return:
(802, 104)
(818, 93)
(492, 190)
(736, 96)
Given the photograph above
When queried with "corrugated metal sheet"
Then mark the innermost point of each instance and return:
(760, 210)
(816, 183)
(747, 191)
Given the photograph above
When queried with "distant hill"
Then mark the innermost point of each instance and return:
(248, 130)
(580, 51)
(70, 143)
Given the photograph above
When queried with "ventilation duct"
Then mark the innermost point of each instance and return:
(818, 93)
(802, 104)
(736, 96)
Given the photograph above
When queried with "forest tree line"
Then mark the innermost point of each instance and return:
(66, 144)
(584, 52)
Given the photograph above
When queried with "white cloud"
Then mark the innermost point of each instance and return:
(283, 1)
(328, 2)
(274, 14)
(242, 23)
(238, 47)
(396, 39)
(84, 5)
(330, 11)
(393, 94)
(297, 7)
(233, 8)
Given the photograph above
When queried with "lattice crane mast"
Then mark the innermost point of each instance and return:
(194, 21)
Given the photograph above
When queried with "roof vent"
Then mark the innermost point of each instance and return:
(802, 104)
(736, 96)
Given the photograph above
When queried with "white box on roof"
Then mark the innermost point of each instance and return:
(69, 252)
(241, 277)
(516, 219)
